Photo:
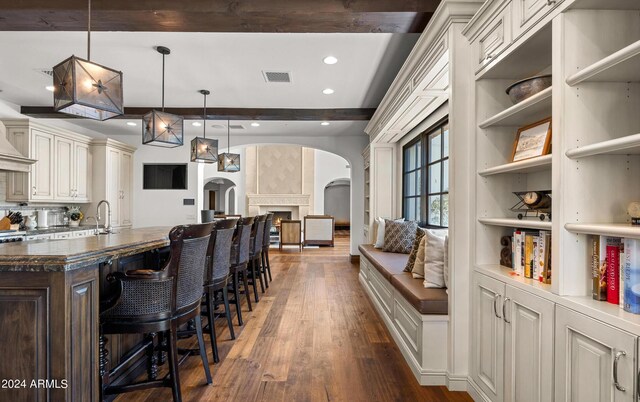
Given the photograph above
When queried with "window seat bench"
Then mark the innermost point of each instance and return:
(415, 316)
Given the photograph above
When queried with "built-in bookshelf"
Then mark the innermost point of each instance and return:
(367, 193)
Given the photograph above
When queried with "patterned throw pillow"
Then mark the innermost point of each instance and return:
(399, 236)
(414, 250)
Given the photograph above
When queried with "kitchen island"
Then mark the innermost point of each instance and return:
(49, 311)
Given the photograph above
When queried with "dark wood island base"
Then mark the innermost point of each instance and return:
(49, 313)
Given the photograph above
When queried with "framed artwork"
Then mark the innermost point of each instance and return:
(532, 141)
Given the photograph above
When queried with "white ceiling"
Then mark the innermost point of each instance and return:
(230, 65)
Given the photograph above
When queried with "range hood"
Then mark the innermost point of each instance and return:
(10, 159)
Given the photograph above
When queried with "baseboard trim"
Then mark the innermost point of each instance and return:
(354, 258)
(475, 392)
(457, 382)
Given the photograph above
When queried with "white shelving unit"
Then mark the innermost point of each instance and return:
(516, 223)
(524, 113)
(629, 145)
(605, 229)
(538, 164)
(621, 66)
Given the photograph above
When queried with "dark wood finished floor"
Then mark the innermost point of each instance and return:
(314, 336)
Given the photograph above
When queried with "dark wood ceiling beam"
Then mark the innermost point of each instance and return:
(394, 16)
(134, 113)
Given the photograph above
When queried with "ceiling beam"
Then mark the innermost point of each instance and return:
(395, 16)
(134, 113)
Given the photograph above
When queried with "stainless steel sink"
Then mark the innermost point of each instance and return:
(102, 232)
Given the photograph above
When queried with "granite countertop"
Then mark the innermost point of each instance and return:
(70, 254)
(59, 229)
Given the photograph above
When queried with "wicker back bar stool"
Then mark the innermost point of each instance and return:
(240, 252)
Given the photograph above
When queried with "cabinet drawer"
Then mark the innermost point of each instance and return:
(493, 39)
(63, 235)
(526, 13)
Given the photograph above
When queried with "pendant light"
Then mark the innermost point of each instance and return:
(204, 149)
(87, 89)
(228, 162)
(158, 127)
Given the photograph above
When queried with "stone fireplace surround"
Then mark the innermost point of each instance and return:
(297, 204)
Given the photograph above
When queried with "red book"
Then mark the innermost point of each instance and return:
(613, 270)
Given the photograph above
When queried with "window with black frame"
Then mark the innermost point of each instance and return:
(425, 184)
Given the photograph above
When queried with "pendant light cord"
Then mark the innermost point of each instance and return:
(163, 55)
(204, 116)
(228, 136)
(89, 33)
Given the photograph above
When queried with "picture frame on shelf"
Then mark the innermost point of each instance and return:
(532, 141)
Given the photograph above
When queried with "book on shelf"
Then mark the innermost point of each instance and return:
(599, 267)
(621, 275)
(544, 257)
(612, 257)
(532, 254)
(631, 301)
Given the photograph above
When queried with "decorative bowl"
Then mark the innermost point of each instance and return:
(528, 87)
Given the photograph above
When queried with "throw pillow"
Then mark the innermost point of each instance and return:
(379, 243)
(399, 236)
(414, 250)
(446, 261)
(418, 266)
(434, 259)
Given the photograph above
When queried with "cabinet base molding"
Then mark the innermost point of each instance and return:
(425, 349)
(475, 392)
(457, 382)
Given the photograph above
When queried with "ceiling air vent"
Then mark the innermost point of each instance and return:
(236, 127)
(46, 71)
(276, 76)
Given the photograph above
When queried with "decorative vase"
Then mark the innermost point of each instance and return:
(74, 224)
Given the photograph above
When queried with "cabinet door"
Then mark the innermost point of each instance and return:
(18, 188)
(82, 172)
(113, 186)
(42, 172)
(528, 347)
(587, 354)
(493, 39)
(65, 170)
(126, 168)
(487, 361)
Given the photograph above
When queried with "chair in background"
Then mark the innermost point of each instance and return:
(291, 233)
(240, 252)
(319, 230)
(255, 275)
(266, 242)
(151, 302)
(216, 277)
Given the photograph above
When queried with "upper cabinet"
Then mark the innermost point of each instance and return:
(112, 179)
(62, 172)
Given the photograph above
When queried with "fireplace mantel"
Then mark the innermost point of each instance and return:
(297, 204)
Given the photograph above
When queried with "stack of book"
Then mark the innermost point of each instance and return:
(615, 267)
(531, 252)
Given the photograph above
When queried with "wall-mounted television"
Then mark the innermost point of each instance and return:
(164, 176)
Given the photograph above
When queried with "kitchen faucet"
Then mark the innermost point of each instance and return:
(107, 225)
(95, 219)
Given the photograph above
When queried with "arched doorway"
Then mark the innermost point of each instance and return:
(337, 195)
(219, 196)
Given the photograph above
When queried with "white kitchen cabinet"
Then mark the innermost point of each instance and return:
(494, 38)
(526, 13)
(528, 364)
(62, 172)
(112, 180)
(487, 343)
(589, 357)
(512, 347)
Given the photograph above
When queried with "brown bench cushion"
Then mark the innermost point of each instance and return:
(388, 264)
(391, 266)
(425, 300)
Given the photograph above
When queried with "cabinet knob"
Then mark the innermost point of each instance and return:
(34, 190)
(615, 370)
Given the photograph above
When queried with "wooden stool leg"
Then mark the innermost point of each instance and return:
(246, 288)
(173, 363)
(263, 269)
(152, 358)
(212, 326)
(203, 350)
(236, 292)
(255, 285)
(258, 268)
(268, 263)
(227, 310)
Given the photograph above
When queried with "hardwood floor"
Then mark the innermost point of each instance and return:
(314, 336)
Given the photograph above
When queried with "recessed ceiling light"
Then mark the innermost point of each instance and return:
(196, 124)
(328, 91)
(132, 123)
(255, 124)
(218, 126)
(330, 60)
(325, 123)
(50, 88)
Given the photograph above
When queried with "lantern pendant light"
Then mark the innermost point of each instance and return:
(228, 162)
(158, 127)
(204, 149)
(86, 89)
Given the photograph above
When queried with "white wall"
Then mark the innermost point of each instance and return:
(328, 167)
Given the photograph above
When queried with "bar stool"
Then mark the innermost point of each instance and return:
(240, 251)
(266, 243)
(257, 233)
(216, 277)
(151, 302)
